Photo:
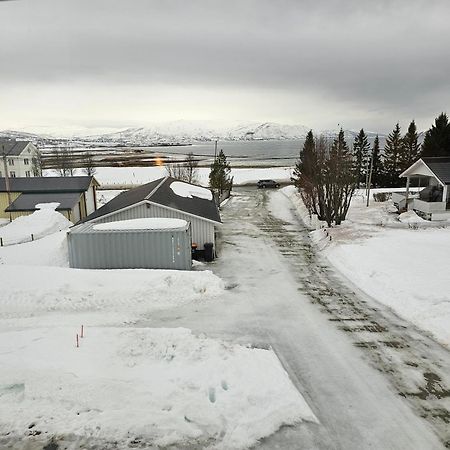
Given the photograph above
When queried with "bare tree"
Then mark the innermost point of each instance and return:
(89, 164)
(62, 161)
(184, 171)
(37, 163)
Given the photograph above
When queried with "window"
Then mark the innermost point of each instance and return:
(12, 174)
(10, 161)
(26, 161)
(27, 173)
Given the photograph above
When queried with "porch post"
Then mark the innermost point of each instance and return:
(407, 194)
(444, 194)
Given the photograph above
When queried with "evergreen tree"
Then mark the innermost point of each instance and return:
(377, 165)
(361, 157)
(411, 150)
(338, 182)
(393, 150)
(437, 138)
(305, 164)
(219, 177)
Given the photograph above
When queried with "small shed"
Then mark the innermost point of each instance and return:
(147, 243)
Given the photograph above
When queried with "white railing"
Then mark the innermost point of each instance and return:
(429, 207)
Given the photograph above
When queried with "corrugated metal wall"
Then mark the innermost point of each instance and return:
(202, 231)
(129, 249)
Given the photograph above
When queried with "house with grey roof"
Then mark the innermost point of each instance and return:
(166, 198)
(18, 156)
(433, 201)
(76, 196)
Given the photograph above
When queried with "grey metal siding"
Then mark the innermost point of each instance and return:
(202, 230)
(122, 249)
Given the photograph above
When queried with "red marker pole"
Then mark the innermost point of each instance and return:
(82, 331)
(78, 343)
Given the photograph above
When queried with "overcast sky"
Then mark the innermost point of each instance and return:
(110, 63)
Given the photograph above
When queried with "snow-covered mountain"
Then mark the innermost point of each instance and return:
(184, 132)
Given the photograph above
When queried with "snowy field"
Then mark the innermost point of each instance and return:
(125, 383)
(120, 176)
(402, 266)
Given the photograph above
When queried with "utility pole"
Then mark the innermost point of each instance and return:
(5, 167)
(215, 149)
(369, 179)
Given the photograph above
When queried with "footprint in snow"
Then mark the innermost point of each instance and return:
(212, 394)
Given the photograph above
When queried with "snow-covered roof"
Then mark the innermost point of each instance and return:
(142, 224)
(190, 190)
(167, 192)
(437, 167)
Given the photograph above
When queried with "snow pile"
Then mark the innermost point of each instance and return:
(51, 205)
(143, 386)
(406, 270)
(410, 217)
(51, 250)
(189, 190)
(41, 223)
(126, 294)
(142, 224)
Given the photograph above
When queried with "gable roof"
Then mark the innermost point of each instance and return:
(28, 202)
(440, 166)
(13, 147)
(48, 184)
(159, 192)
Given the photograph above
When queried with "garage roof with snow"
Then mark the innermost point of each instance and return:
(48, 184)
(28, 201)
(169, 192)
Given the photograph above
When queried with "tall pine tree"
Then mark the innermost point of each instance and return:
(361, 157)
(393, 150)
(219, 178)
(437, 138)
(377, 165)
(411, 147)
(304, 167)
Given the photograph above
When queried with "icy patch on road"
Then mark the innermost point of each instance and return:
(148, 386)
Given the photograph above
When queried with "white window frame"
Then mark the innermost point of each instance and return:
(26, 161)
(28, 173)
(12, 174)
(10, 161)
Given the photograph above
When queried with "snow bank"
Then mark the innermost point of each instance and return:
(40, 223)
(190, 191)
(142, 224)
(410, 217)
(406, 270)
(125, 176)
(148, 386)
(126, 293)
(51, 250)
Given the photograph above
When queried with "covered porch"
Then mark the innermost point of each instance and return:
(432, 202)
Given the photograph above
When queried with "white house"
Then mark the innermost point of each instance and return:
(19, 158)
(166, 198)
(433, 201)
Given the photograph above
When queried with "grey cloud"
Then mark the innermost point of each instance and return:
(384, 54)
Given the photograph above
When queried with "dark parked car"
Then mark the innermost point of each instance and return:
(262, 184)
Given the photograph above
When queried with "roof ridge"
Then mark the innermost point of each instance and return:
(156, 188)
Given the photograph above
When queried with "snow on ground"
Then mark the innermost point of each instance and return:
(110, 176)
(40, 223)
(101, 296)
(405, 269)
(125, 383)
(51, 250)
(160, 386)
